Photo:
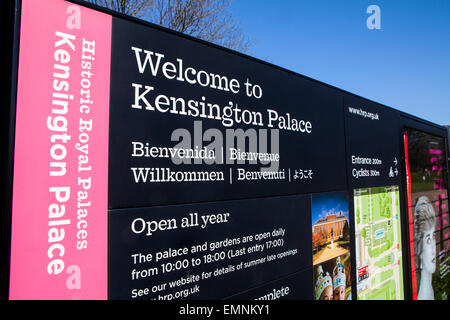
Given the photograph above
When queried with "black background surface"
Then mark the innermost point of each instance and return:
(372, 139)
(321, 151)
(247, 217)
(299, 284)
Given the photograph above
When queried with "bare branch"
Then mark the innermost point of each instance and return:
(210, 20)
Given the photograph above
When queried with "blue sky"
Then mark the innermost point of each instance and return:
(405, 64)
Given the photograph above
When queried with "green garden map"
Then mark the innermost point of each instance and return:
(378, 243)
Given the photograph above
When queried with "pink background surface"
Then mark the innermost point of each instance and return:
(29, 278)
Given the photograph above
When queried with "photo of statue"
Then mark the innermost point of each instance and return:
(425, 246)
(428, 214)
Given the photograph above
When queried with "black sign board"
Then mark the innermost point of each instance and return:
(147, 164)
(169, 93)
(372, 139)
(208, 250)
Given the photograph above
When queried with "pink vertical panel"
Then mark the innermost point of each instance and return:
(59, 218)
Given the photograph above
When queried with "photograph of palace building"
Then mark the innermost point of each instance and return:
(330, 228)
(331, 246)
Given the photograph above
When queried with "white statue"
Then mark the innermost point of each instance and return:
(425, 248)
